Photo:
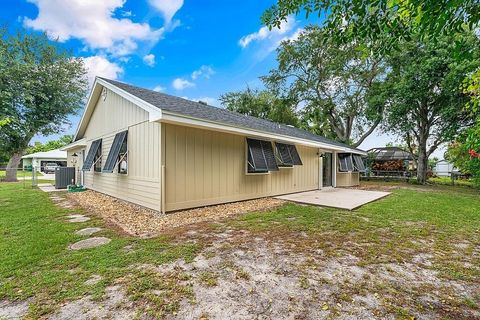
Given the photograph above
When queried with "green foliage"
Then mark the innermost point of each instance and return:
(334, 84)
(50, 145)
(424, 95)
(457, 152)
(40, 85)
(388, 22)
(261, 104)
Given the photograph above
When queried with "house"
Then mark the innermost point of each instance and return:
(443, 168)
(167, 153)
(38, 160)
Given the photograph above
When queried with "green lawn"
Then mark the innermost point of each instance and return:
(448, 181)
(35, 261)
(20, 174)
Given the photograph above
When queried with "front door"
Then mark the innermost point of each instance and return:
(327, 169)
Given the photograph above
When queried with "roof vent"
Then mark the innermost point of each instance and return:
(203, 102)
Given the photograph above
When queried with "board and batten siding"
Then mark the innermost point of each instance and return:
(142, 183)
(206, 167)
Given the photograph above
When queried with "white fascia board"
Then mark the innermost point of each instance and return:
(193, 122)
(73, 145)
(154, 113)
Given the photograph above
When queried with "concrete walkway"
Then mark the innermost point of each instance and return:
(335, 197)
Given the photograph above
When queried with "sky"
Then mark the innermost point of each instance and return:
(192, 49)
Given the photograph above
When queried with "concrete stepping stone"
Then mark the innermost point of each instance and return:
(87, 231)
(79, 219)
(75, 215)
(90, 243)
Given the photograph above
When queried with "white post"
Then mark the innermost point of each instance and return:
(334, 169)
(320, 169)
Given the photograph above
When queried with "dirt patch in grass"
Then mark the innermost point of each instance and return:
(140, 221)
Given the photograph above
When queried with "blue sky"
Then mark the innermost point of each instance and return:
(193, 49)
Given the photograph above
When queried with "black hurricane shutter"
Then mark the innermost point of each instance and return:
(114, 151)
(358, 163)
(294, 154)
(269, 155)
(345, 162)
(284, 154)
(91, 155)
(256, 159)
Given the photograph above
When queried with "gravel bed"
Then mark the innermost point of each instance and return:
(140, 221)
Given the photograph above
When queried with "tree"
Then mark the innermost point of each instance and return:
(50, 145)
(261, 104)
(387, 21)
(458, 152)
(424, 95)
(40, 85)
(335, 84)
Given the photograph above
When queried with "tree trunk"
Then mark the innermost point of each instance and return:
(12, 166)
(422, 165)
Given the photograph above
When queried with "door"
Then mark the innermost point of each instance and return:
(327, 169)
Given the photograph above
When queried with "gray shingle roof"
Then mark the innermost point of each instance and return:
(205, 112)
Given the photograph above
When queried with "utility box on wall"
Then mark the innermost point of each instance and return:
(64, 176)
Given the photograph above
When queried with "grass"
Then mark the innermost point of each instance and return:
(20, 174)
(36, 263)
(448, 181)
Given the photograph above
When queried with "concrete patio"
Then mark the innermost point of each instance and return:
(335, 197)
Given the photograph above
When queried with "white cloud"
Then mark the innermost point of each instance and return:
(93, 22)
(205, 71)
(167, 8)
(180, 84)
(265, 33)
(209, 100)
(159, 88)
(100, 66)
(149, 60)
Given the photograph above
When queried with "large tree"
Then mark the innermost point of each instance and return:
(423, 92)
(387, 21)
(40, 86)
(333, 84)
(49, 145)
(261, 104)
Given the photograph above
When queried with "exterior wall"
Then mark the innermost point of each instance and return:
(205, 167)
(142, 183)
(348, 179)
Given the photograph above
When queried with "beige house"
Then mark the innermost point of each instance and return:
(167, 153)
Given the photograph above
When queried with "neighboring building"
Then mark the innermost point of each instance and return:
(167, 153)
(390, 159)
(38, 160)
(443, 168)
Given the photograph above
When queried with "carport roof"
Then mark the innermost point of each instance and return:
(52, 154)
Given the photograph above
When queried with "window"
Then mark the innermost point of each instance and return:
(260, 156)
(358, 163)
(345, 163)
(287, 155)
(123, 157)
(117, 154)
(93, 154)
(97, 160)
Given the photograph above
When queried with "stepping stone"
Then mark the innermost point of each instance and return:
(87, 231)
(79, 219)
(89, 243)
(76, 215)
